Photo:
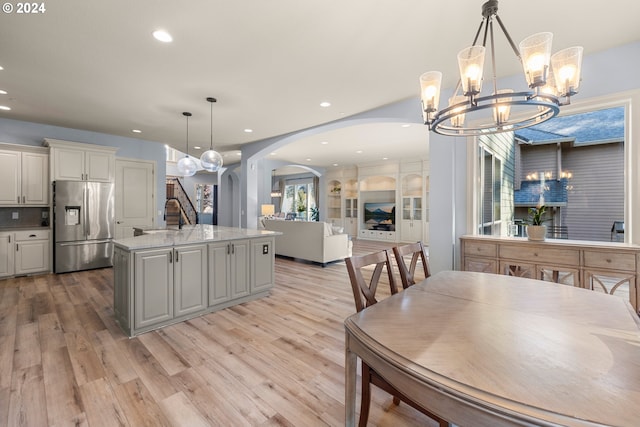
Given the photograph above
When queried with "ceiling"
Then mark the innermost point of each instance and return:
(94, 65)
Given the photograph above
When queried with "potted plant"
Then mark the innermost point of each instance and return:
(536, 230)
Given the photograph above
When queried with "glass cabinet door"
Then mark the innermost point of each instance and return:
(417, 209)
(406, 208)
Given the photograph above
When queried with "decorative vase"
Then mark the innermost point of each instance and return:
(536, 232)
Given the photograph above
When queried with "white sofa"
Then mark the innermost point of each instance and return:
(309, 240)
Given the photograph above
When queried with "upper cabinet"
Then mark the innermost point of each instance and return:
(24, 176)
(72, 161)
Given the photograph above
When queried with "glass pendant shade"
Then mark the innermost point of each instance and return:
(567, 65)
(211, 161)
(502, 110)
(535, 52)
(430, 89)
(187, 166)
(457, 120)
(471, 64)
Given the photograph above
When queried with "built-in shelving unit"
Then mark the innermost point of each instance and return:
(334, 202)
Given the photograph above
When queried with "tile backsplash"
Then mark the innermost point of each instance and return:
(17, 217)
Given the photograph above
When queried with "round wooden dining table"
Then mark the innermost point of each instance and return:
(482, 349)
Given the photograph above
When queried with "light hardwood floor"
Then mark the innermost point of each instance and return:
(275, 361)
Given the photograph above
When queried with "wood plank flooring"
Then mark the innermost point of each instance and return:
(277, 361)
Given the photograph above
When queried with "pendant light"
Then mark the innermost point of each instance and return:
(187, 166)
(211, 160)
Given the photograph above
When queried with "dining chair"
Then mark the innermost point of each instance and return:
(364, 293)
(417, 252)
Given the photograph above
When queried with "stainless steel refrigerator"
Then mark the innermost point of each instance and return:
(84, 225)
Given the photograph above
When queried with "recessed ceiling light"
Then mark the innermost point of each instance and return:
(308, 160)
(4, 107)
(3, 92)
(239, 153)
(335, 164)
(273, 153)
(197, 147)
(1, 68)
(162, 36)
(136, 131)
(325, 104)
(248, 130)
(385, 158)
(405, 125)
(359, 152)
(324, 142)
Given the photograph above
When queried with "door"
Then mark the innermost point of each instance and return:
(100, 210)
(219, 274)
(153, 287)
(190, 279)
(135, 201)
(6, 255)
(10, 177)
(35, 179)
(32, 256)
(240, 268)
(69, 211)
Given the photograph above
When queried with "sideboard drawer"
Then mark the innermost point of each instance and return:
(609, 260)
(480, 249)
(541, 254)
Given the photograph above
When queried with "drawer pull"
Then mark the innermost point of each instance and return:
(535, 254)
(32, 235)
(608, 260)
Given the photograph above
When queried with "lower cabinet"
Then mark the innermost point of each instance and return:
(608, 268)
(32, 251)
(169, 283)
(228, 271)
(24, 252)
(160, 286)
(6, 254)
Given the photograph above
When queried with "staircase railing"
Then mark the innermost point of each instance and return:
(176, 190)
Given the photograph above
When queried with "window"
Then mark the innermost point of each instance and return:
(299, 199)
(489, 192)
(573, 164)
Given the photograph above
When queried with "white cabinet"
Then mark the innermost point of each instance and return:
(72, 161)
(228, 271)
(411, 224)
(32, 251)
(24, 177)
(153, 287)
(6, 254)
(169, 283)
(411, 228)
(190, 275)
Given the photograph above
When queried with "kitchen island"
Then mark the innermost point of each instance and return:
(168, 276)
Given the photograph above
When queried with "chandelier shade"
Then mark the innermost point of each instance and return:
(187, 166)
(470, 113)
(211, 160)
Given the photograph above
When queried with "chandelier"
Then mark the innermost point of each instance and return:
(552, 80)
(211, 160)
(275, 189)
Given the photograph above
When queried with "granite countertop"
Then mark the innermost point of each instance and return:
(190, 234)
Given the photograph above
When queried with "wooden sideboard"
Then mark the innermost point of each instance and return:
(611, 268)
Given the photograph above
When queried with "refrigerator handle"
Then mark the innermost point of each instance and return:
(86, 212)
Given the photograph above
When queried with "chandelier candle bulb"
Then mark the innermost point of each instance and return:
(566, 67)
(471, 63)
(457, 120)
(535, 52)
(430, 90)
